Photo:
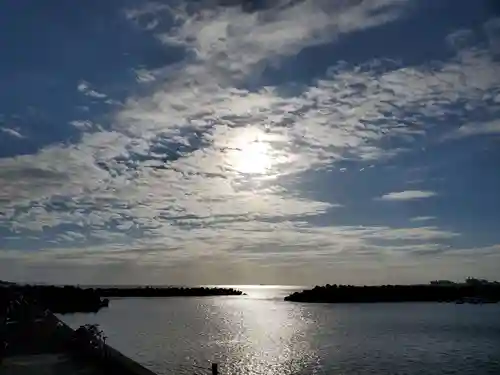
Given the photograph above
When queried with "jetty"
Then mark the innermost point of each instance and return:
(34, 341)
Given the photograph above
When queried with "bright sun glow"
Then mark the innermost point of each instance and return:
(252, 158)
(250, 154)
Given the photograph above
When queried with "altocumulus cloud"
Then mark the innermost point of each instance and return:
(198, 165)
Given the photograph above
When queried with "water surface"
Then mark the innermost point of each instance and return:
(261, 334)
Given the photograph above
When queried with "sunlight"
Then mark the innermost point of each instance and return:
(250, 155)
(253, 158)
(264, 338)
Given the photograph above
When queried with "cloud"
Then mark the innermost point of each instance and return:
(190, 166)
(407, 195)
(12, 132)
(474, 129)
(83, 125)
(461, 39)
(320, 125)
(422, 218)
(246, 240)
(85, 89)
(232, 43)
(58, 170)
(144, 76)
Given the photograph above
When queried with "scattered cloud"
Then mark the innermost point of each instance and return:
(191, 165)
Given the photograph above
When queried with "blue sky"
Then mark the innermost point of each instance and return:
(289, 142)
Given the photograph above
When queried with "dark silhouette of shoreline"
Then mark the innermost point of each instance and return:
(33, 340)
(150, 291)
(472, 291)
(70, 299)
(58, 299)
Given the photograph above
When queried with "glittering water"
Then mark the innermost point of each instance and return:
(261, 334)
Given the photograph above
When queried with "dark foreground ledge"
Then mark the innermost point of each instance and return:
(485, 293)
(34, 341)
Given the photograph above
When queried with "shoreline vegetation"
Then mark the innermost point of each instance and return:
(475, 291)
(149, 291)
(71, 299)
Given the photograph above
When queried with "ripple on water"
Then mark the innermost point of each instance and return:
(266, 336)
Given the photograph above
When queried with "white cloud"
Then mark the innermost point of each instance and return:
(12, 132)
(249, 240)
(219, 150)
(85, 89)
(343, 115)
(149, 9)
(407, 195)
(231, 42)
(58, 171)
(144, 76)
(82, 125)
(471, 129)
(422, 218)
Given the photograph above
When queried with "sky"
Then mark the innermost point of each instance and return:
(249, 141)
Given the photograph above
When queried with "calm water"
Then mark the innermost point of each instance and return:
(261, 334)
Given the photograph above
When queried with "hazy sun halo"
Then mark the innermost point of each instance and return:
(252, 158)
(249, 154)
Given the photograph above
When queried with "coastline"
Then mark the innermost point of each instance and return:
(469, 292)
(69, 299)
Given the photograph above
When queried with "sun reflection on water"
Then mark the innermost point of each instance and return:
(264, 338)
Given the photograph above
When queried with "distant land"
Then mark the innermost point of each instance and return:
(470, 291)
(70, 299)
(150, 291)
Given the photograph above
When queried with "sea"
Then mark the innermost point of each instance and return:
(261, 334)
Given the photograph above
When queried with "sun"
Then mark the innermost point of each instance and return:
(249, 155)
(253, 158)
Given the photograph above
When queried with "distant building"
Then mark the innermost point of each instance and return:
(442, 282)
